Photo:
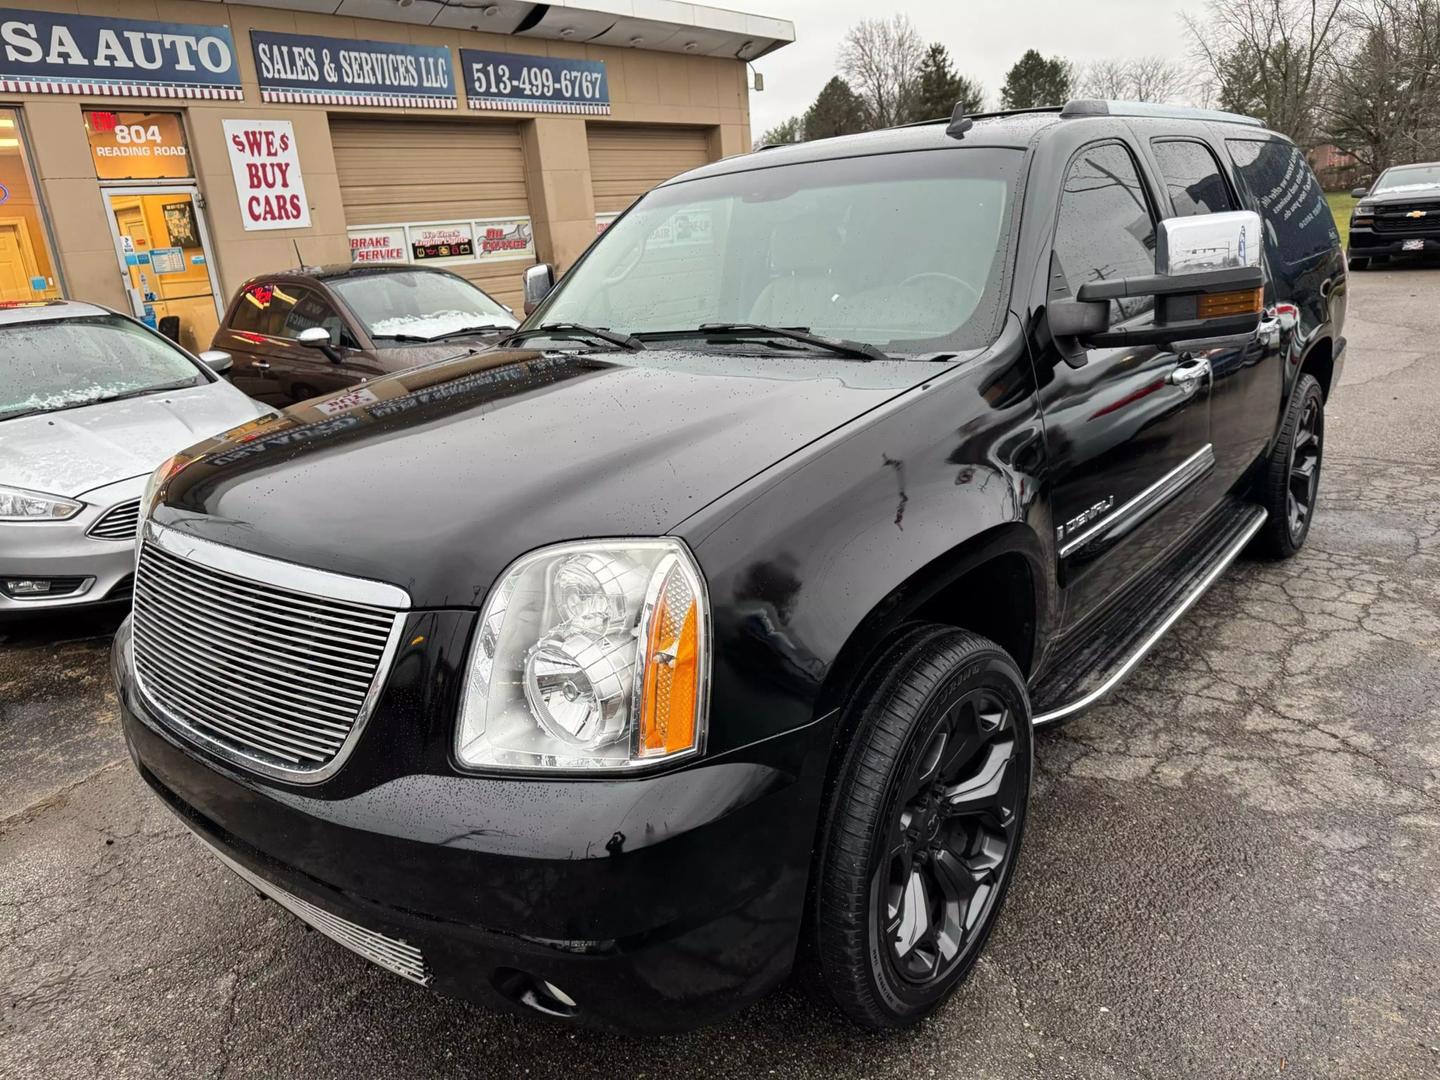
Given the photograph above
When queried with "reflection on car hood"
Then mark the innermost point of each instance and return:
(407, 354)
(1410, 193)
(436, 478)
(72, 451)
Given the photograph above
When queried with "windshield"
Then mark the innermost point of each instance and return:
(419, 304)
(1420, 176)
(47, 366)
(901, 251)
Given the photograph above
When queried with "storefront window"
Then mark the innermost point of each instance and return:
(137, 145)
(27, 270)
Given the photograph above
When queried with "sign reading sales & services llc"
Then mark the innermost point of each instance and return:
(45, 52)
(267, 174)
(301, 68)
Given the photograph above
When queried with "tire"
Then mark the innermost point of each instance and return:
(1291, 480)
(1358, 262)
(925, 822)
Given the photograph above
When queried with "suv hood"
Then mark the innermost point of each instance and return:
(435, 479)
(72, 451)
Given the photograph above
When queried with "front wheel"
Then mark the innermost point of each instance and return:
(1291, 483)
(924, 826)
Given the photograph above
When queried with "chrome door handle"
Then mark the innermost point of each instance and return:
(1189, 372)
(260, 364)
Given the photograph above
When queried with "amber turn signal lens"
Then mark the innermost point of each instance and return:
(1218, 305)
(670, 700)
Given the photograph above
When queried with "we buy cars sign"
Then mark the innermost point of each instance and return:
(267, 174)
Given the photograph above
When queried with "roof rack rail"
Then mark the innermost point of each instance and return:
(1096, 107)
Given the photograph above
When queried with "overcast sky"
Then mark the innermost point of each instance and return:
(985, 37)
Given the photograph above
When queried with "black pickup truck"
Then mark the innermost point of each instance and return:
(696, 634)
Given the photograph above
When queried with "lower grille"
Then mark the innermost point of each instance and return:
(271, 677)
(118, 523)
(392, 954)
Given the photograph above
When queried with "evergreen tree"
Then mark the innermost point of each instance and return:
(1036, 81)
(787, 131)
(837, 111)
(939, 88)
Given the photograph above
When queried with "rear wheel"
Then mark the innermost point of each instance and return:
(1292, 475)
(925, 826)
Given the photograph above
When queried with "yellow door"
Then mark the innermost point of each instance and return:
(17, 262)
(164, 256)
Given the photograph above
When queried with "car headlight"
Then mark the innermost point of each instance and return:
(17, 504)
(1364, 210)
(156, 484)
(590, 655)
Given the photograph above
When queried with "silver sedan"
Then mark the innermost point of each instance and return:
(91, 402)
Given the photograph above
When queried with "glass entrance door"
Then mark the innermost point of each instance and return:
(164, 253)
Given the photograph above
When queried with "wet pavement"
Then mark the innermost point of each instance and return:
(1232, 868)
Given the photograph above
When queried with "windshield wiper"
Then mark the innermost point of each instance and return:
(142, 392)
(576, 330)
(844, 347)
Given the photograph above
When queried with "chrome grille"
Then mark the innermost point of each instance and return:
(274, 677)
(393, 954)
(118, 523)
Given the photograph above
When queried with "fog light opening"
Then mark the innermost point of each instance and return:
(535, 993)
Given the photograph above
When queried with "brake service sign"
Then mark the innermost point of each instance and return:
(43, 52)
(267, 174)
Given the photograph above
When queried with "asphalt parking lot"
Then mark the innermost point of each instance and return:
(1232, 869)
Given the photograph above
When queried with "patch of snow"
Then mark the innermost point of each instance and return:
(438, 323)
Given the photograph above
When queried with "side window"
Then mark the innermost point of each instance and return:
(1298, 225)
(256, 312)
(309, 309)
(1193, 178)
(1106, 228)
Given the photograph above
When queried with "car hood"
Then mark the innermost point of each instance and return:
(436, 478)
(400, 357)
(1418, 193)
(72, 451)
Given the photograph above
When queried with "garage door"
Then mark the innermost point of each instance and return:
(626, 162)
(437, 179)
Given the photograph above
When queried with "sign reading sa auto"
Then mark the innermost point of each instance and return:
(43, 52)
(267, 174)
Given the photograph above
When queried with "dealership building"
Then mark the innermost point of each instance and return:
(154, 154)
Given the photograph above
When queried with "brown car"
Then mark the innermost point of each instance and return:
(304, 332)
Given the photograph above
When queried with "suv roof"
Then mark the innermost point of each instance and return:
(1015, 128)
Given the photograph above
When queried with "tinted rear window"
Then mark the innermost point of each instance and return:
(1298, 225)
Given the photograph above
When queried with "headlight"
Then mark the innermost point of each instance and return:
(156, 484)
(17, 504)
(589, 655)
(1364, 210)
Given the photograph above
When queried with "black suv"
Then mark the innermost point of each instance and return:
(1398, 214)
(701, 633)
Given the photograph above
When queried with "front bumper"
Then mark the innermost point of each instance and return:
(1367, 243)
(655, 904)
(64, 549)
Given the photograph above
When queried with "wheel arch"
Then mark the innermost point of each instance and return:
(992, 584)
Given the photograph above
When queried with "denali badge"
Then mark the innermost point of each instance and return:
(1085, 517)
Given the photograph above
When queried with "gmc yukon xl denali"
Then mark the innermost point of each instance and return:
(696, 633)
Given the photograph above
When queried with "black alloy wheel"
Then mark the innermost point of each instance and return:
(1292, 478)
(925, 825)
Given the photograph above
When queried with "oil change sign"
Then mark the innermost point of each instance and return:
(298, 68)
(267, 174)
(43, 52)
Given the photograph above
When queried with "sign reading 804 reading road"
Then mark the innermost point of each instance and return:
(534, 83)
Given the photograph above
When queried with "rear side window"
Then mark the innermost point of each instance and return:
(1298, 225)
(1106, 228)
(1193, 178)
(256, 312)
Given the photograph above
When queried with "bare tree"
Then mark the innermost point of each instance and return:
(1383, 100)
(1144, 78)
(1268, 58)
(881, 58)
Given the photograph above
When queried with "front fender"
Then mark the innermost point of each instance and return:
(806, 567)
